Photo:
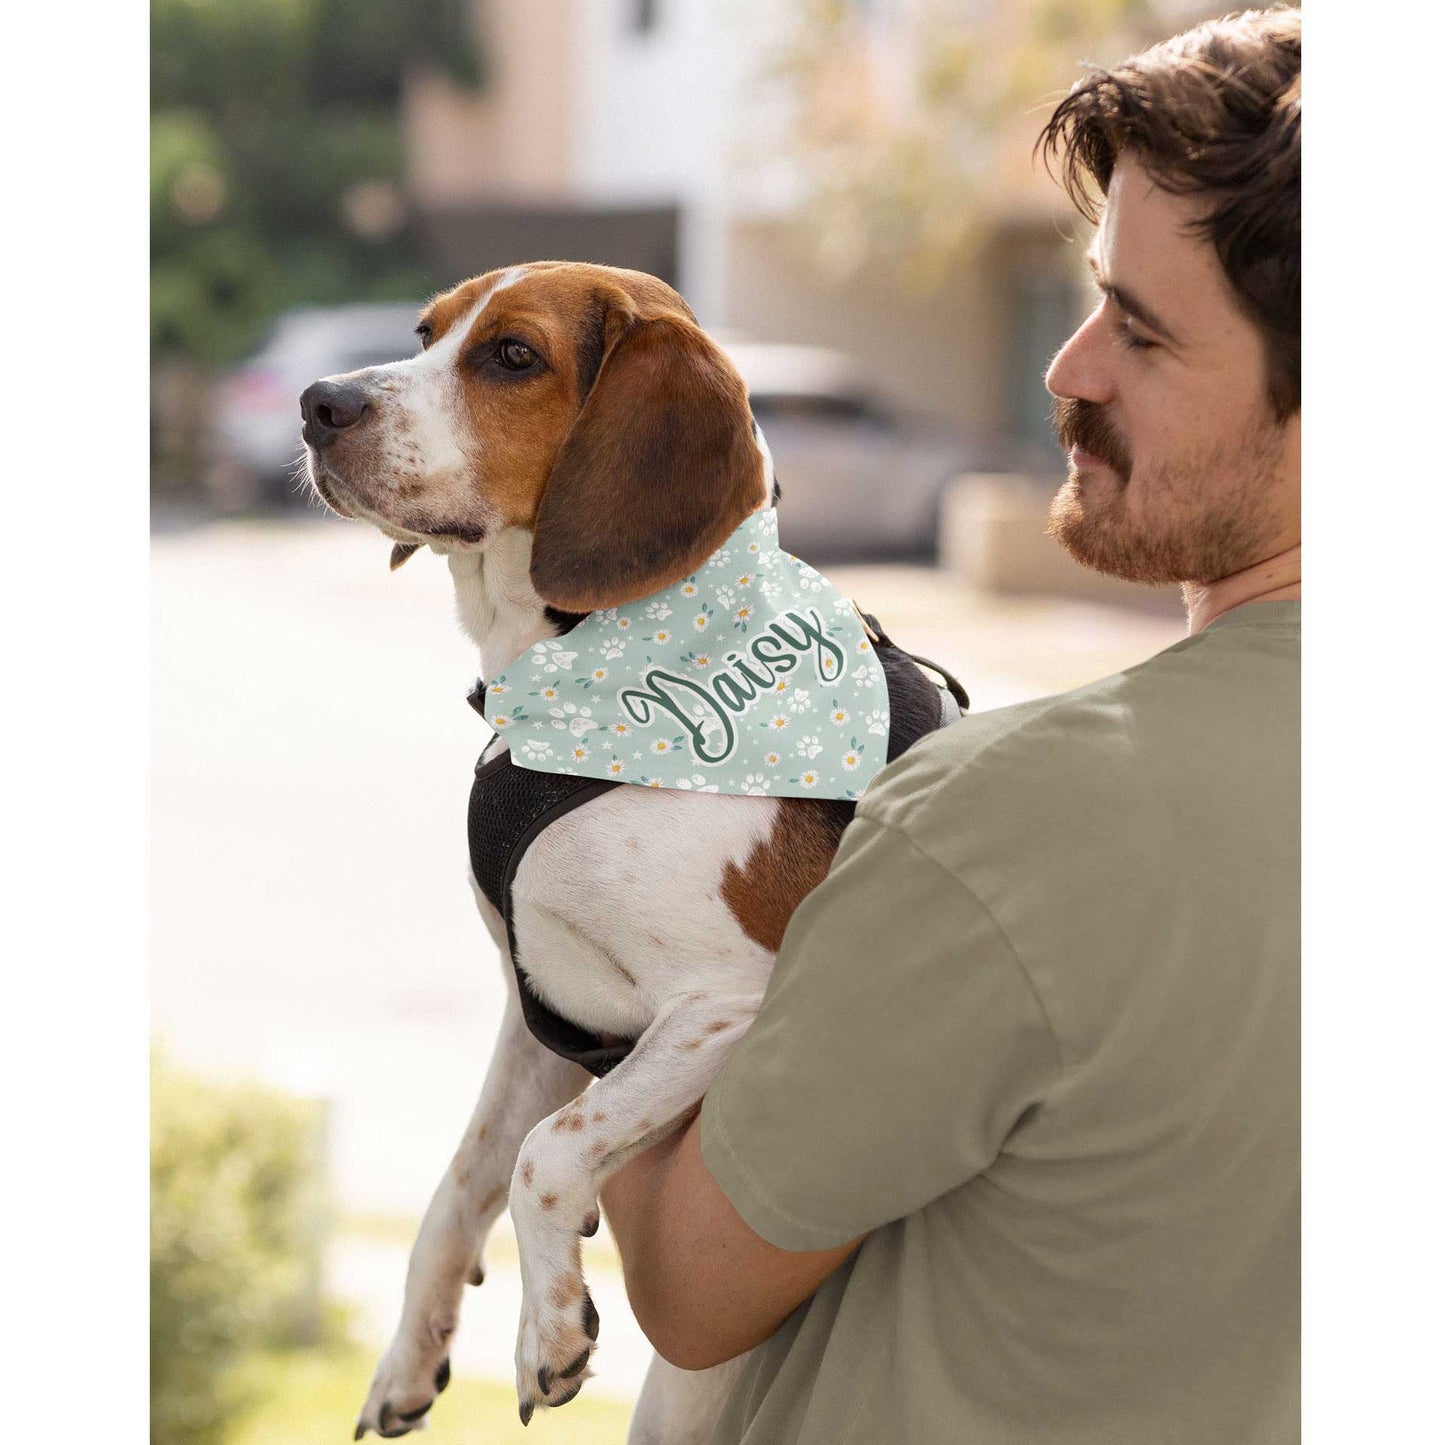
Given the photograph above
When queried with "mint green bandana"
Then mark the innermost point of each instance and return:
(752, 676)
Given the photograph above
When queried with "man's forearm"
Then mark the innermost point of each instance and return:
(703, 1285)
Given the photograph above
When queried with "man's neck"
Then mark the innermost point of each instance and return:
(1275, 579)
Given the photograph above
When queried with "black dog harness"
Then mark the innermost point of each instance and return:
(511, 805)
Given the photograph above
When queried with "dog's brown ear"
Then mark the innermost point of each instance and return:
(659, 469)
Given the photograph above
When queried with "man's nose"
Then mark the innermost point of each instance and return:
(328, 408)
(1081, 367)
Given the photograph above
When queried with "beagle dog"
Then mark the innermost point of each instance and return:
(569, 439)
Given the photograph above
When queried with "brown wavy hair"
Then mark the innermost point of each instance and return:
(1213, 112)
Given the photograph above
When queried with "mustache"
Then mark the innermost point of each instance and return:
(1084, 424)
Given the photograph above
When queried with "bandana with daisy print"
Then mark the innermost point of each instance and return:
(752, 676)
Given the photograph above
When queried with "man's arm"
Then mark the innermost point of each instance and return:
(703, 1285)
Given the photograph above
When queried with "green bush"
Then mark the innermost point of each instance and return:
(236, 1233)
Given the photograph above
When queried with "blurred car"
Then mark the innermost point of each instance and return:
(858, 479)
(254, 441)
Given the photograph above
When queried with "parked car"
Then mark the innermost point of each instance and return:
(254, 441)
(858, 479)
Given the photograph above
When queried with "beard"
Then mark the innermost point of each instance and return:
(1197, 517)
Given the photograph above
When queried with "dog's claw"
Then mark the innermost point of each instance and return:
(476, 1276)
(569, 1396)
(360, 1431)
(590, 1224)
(544, 1380)
(443, 1375)
(525, 1411)
(575, 1367)
(590, 1319)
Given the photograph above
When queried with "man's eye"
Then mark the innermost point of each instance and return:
(1130, 337)
(516, 355)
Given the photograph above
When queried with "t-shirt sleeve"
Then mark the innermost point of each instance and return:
(897, 1045)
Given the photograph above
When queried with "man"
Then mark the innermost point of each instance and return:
(1011, 1153)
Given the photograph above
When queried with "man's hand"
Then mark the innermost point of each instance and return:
(703, 1285)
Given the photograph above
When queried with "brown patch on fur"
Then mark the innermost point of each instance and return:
(571, 1120)
(599, 1149)
(568, 1290)
(694, 1043)
(599, 1117)
(483, 1131)
(571, 315)
(527, 1174)
(717, 1026)
(785, 867)
(548, 1201)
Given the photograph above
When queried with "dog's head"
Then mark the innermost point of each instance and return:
(581, 402)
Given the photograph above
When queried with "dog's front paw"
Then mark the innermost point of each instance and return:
(559, 1328)
(410, 1376)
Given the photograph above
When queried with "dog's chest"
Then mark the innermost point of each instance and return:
(619, 904)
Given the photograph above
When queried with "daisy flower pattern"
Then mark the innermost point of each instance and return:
(745, 678)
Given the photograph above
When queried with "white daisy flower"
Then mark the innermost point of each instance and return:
(838, 716)
(809, 779)
(777, 722)
(580, 753)
(851, 761)
(772, 759)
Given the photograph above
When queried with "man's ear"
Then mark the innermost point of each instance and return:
(657, 471)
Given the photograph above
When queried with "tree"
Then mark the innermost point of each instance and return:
(276, 158)
(896, 122)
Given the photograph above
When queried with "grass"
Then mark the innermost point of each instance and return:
(312, 1397)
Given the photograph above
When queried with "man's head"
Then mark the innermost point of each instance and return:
(1179, 396)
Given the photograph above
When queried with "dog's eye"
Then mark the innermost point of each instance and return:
(516, 355)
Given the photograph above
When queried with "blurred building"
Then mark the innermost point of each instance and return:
(644, 133)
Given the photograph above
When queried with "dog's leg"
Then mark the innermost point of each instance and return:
(525, 1082)
(682, 1407)
(567, 1158)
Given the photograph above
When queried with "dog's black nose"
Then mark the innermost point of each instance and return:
(328, 408)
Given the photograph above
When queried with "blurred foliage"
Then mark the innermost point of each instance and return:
(276, 158)
(236, 1210)
(896, 125)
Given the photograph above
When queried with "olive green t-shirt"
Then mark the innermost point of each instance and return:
(1037, 1035)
